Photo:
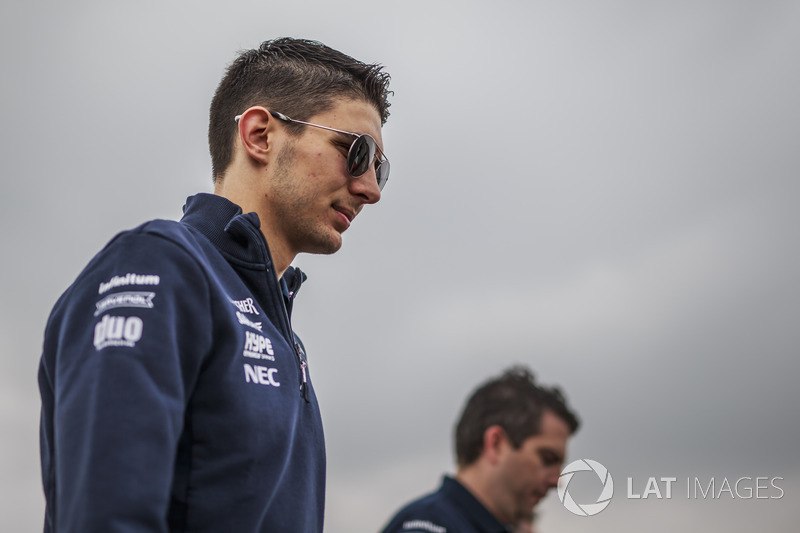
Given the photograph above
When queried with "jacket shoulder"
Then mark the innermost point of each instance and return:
(160, 250)
(432, 513)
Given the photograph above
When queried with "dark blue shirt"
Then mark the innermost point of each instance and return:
(175, 395)
(451, 509)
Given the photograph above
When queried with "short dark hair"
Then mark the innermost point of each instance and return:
(513, 401)
(297, 77)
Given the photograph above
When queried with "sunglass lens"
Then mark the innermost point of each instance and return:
(382, 173)
(362, 152)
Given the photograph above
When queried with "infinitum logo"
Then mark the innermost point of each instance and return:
(586, 509)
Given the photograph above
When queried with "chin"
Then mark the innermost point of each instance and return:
(327, 246)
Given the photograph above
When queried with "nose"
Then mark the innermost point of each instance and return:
(366, 187)
(552, 477)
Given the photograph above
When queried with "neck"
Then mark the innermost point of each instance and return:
(282, 256)
(472, 478)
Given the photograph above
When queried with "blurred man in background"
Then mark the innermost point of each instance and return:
(510, 445)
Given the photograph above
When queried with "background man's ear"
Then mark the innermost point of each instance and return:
(494, 442)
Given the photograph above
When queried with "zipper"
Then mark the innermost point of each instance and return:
(298, 350)
(272, 279)
(301, 356)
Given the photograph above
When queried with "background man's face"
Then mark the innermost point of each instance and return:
(527, 473)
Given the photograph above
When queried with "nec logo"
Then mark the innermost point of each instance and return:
(261, 375)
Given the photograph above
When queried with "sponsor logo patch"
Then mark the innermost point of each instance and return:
(423, 525)
(143, 300)
(247, 322)
(258, 347)
(261, 375)
(128, 279)
(246, 306)
(118, 331)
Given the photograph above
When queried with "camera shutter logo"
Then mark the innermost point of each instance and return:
(586, 509)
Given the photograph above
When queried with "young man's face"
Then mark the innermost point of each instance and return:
(312, 198)
(527, 473)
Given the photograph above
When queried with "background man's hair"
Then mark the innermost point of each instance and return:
(513, 401)
(297, 77)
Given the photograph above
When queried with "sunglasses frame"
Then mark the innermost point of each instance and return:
(350, 153)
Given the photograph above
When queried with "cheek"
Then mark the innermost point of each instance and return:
(318, 161)
(533, 470)
(324, 171)
(526, 471)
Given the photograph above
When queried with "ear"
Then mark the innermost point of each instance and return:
(257, 133)
(495, 441)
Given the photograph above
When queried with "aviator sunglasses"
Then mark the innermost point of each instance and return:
(363, 151)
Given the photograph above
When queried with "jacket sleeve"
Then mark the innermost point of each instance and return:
(123, 349)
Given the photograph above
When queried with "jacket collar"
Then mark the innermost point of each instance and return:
(237, 235)
(471, 507)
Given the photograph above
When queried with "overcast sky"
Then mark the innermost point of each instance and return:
(606, 191)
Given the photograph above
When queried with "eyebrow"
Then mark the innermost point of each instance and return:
(552, 454)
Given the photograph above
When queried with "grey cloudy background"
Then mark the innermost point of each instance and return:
(604, 190)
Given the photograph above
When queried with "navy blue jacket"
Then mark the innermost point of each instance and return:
(451, 509)
(175, 395)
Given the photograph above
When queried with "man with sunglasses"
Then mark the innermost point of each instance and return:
(510, 444)
(175, 394)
